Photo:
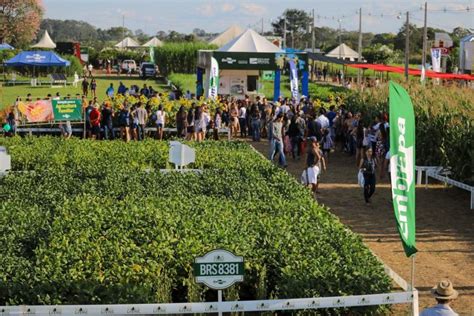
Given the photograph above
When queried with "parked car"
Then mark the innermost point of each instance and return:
(129, 64)
(148, 70)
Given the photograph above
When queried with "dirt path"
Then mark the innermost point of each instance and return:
(445, 228)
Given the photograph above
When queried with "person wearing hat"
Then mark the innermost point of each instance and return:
(444, 293)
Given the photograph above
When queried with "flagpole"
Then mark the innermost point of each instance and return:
(414, 305)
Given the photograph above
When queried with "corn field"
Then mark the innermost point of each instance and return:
(179, 57)
(444, 124)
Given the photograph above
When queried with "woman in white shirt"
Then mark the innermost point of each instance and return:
(160, 122)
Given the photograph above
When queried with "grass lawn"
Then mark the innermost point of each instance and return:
(8, 94)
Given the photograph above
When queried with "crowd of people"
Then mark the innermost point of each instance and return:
(294, 129)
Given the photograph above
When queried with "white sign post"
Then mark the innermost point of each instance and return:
(219, 269)
(5, 161)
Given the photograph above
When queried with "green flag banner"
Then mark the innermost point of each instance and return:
(402, 164)
(67, 110)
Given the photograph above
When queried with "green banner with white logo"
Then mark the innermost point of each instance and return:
(67, 110)
(402, 164)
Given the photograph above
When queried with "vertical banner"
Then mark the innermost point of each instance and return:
(213, 79)
(402, 164)
(436, 59)
(152, 54)
(293, 80)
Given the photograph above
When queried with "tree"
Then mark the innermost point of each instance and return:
(70, 31)
(387, 39)
(141, 36)
(20, 21)
(298, 24)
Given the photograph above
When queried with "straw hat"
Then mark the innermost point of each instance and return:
(444, 290)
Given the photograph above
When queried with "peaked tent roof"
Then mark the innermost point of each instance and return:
(45, 42)
(343, 51)
(251, 42)
(38, 59)
(226, 36)
(127, 42)
(154, 42)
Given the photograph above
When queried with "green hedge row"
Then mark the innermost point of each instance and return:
(95, 222)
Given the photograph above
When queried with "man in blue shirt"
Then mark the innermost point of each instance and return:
(444, 293)
(110, 91)
(122, 88)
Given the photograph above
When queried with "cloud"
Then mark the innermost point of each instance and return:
(227, 7)
(253, 9)
(206, 9)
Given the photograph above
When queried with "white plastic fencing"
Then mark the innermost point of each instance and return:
(436, 173)
(215, 307)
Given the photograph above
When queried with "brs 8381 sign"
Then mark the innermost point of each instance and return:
(219, 269)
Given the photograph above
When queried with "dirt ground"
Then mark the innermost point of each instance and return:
(444, 223)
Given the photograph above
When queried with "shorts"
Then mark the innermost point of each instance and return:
(190, 129)
(159, 125)
(313, 174)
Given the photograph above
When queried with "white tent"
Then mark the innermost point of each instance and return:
(226, 36)
(250, 42)
(154, 42)
(45, 42)
(343, 52)
(127, 42)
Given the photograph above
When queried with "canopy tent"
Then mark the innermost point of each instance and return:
(343, 52)
(413, 72)
(127, 42)
(226, 36)
(37, 59)
(325, 59)
(466, 53)
(45, 42)
(154, 42)
(250, 42)
(6, 46)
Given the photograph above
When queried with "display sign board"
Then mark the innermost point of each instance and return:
(67, 110)
(253, 61)
(268, 75)
(219, 269)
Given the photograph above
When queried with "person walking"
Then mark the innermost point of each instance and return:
(93, 88)
(142, 117)
(368, 166)
(160, 122)
(314, 162)
(85, 87)
(243, 120)
(255, 116)
(277, 141)
(444, 294)
(181, 122)
(124, 123)
(95, 117)
(107, 115)
(217, 123)
(294, 132)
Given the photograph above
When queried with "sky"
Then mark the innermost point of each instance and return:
(214, 16)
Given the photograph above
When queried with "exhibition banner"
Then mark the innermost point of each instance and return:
(293, 80)
(402, 165)
(213, 79)
(36, 111)
(67, 110)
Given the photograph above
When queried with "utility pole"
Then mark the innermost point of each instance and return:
(123, 29)
(312, 35)
(407, 45)
(292, 39)
(340, 43)
(425, 35)
(284, 32)
(359, 50)
(262, 26)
